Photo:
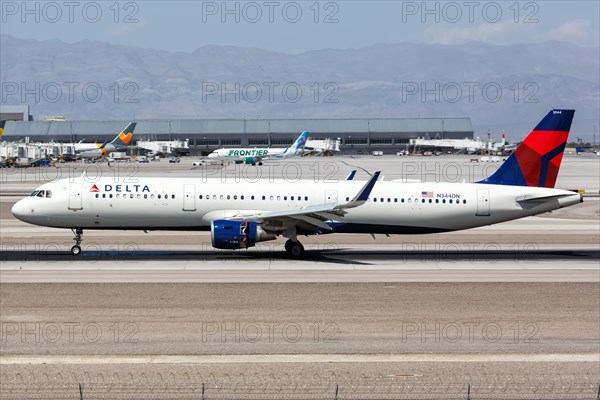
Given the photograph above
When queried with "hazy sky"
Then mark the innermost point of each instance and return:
(291, 27)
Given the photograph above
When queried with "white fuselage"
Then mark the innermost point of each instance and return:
(80, 147)
(191, 204)
(243, 154)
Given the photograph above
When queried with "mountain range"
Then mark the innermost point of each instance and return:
(499, 87)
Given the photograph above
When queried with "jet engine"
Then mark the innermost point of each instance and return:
(237, 234)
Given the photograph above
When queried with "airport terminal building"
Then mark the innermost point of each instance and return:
(358, 136)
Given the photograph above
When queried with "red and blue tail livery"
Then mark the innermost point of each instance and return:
(537, 159)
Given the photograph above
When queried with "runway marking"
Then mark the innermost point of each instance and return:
(295, 358)
(295, 274)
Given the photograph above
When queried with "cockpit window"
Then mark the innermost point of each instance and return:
(41, 193)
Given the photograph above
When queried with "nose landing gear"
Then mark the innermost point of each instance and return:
(76, 249)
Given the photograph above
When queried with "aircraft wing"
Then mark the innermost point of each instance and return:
(312, 217)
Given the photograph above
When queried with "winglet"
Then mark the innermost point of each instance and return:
(351, 175)
(362, 196)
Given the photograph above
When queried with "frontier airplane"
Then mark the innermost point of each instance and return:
(257, 155)
(241, 214)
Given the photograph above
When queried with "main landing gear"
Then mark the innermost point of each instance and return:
(76, 250)
(294, 248)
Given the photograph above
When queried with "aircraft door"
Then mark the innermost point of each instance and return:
(75, 194)
(189, 197)
(483, 202)
(331, 196)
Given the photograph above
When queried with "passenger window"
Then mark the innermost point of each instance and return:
(145, 196)
(200, 197)
(444, 201)
(410, 200)
(271, 198)
(235, 196)
(430, 201)
(464, 201)
(242, 197)
(437, 201)
(152, 196)
(375, 199)
(450, 201)
(422, 200)
(395, 200)
(139, 196)
(221, 197)
(131, 196)
(347, 198)
(159, 196)
(292, 198)
(118, 196)
(228, 197)
(306, 198)
(172, 196)
(104, 195)
(389, 200)
(278, 198)
(402, 200)
(284, 197)
(97, 195)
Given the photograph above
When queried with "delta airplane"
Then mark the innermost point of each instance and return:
(119, 143)
(241, 214)
(257, 155)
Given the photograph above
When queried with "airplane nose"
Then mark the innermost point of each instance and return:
(19, 210)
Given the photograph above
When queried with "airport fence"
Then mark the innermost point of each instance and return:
(498, 391)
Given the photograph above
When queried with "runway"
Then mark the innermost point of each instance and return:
(517, 299)
(299, 358)
(367, 264)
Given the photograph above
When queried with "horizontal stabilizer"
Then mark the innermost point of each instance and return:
(535, 199)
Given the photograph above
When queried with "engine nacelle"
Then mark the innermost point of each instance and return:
(237, 234)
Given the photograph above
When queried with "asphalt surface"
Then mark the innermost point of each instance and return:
(519, 301)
